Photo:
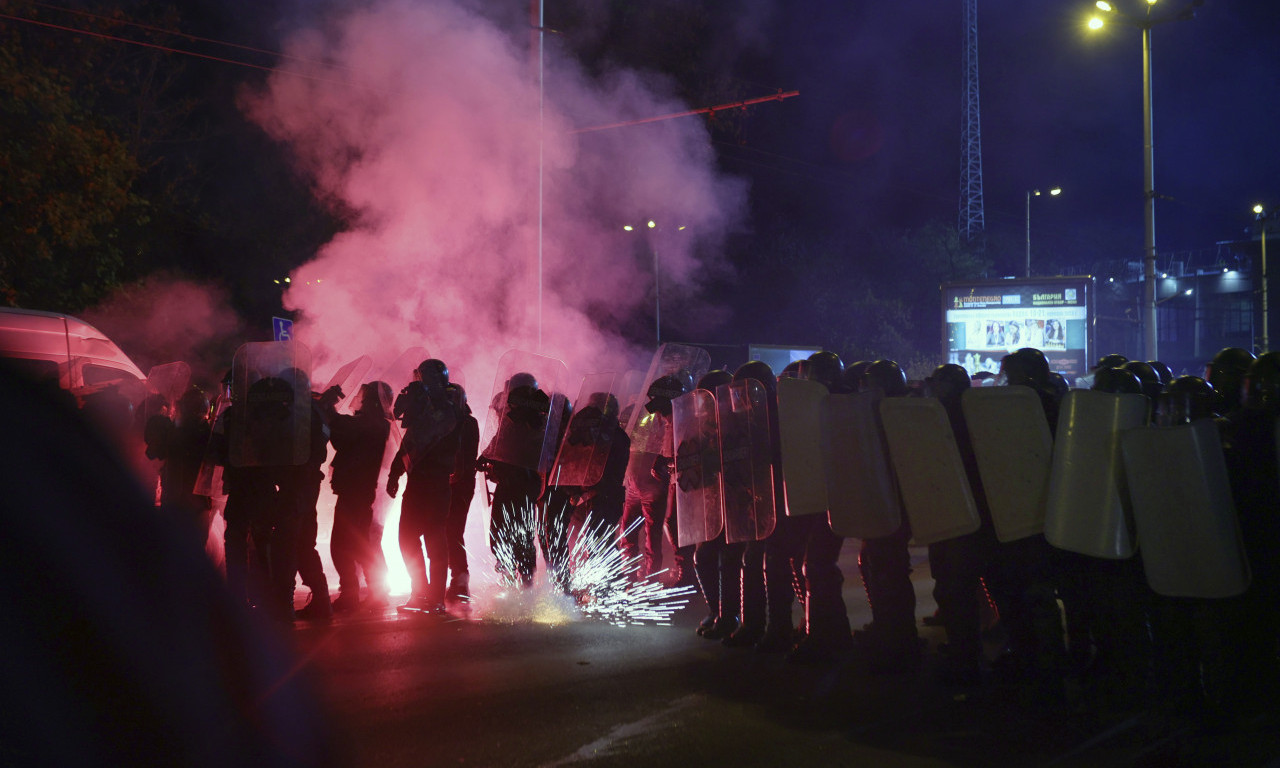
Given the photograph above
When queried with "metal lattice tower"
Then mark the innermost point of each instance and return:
(971, 218)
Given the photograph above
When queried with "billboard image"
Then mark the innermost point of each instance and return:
(983, 322)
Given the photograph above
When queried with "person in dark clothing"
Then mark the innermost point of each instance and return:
(427, 456)
(252, 501)
(181, 445)
(595, 425)
(462, 489)
(891, 641)
(827, 631)
(717, 566)
(511, 462)
(299, 494)
(645, 500)
(121, 644)
(1253, 623)
(359, 447)
(959, 564)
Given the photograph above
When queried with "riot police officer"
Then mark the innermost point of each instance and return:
(427, 455)
(891, 641)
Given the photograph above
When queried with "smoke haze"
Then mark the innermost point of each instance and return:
(424, 124)
(423, 129)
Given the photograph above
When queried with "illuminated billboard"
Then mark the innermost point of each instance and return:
(984, 321)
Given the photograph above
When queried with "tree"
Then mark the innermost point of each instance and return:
(66, 181)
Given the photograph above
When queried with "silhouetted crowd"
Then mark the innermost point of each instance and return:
(1116, 542)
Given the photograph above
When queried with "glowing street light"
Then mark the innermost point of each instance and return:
(1030, 194)
(657, 281)
(1261, 215)
(1145, 24)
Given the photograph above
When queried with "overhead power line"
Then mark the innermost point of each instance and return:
(779, 96)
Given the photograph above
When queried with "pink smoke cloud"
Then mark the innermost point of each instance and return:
(428, 122)
(425, 121)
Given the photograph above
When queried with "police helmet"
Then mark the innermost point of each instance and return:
(1027, 366)
(760, 371)
(948, 382)
(1261, 387)
(825, 368)
(1150, 379)
(714, 378)
(887, 376)
(433, 373)
(853, 374)
(1113, 360)
(1117, 381)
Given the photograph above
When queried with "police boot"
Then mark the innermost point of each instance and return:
(459, 587)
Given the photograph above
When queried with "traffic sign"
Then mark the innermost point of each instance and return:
(282, 329)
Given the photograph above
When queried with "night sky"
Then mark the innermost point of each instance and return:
(875, 133)
(873, 141)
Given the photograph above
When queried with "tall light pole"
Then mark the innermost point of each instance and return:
(1262, 215)
(1030, 194)
(657, 282)
(1150, 349)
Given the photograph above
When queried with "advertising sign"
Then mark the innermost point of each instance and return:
(984, 321)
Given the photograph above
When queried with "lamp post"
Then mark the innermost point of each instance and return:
(1030, 194)
(1149, 196)
(1262, 215)
(657, 282)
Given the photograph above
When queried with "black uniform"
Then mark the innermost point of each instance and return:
(359, 444)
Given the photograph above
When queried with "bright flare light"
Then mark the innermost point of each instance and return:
(1095, 23)
(595, 578)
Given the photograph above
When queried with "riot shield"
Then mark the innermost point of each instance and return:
(584, 451)
(401, 371)
(168, 381)
(800, 412)
(746, 451)
(926, 460)
(1186, 520)
(699, 512)
(644, 428)
(1014, 450)
(1088, 510)
(270, 419)
(348, 378)
(525, 411)
(861, 489)
(630, 391)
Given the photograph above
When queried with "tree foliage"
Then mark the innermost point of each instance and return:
(66, 184)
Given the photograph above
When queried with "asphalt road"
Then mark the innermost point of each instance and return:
(513, 691)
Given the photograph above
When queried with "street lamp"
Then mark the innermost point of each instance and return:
(1030, 194)
(1149, 210)
(657, 292)
(1261, 215)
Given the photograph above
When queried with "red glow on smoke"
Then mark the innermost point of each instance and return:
(427, 124)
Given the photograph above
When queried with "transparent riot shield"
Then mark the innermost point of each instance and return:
(348, 378)
(645, 429)
(926, 460)
(746, 452)
(699, 510)
(401, 370)
(1014, 450)
(1187, 527)
(630, 389)
(1089, 510)
(584, 450)
(269, 421)
(800, 410)
(168, 381)
(861, 490)
(525, 412)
